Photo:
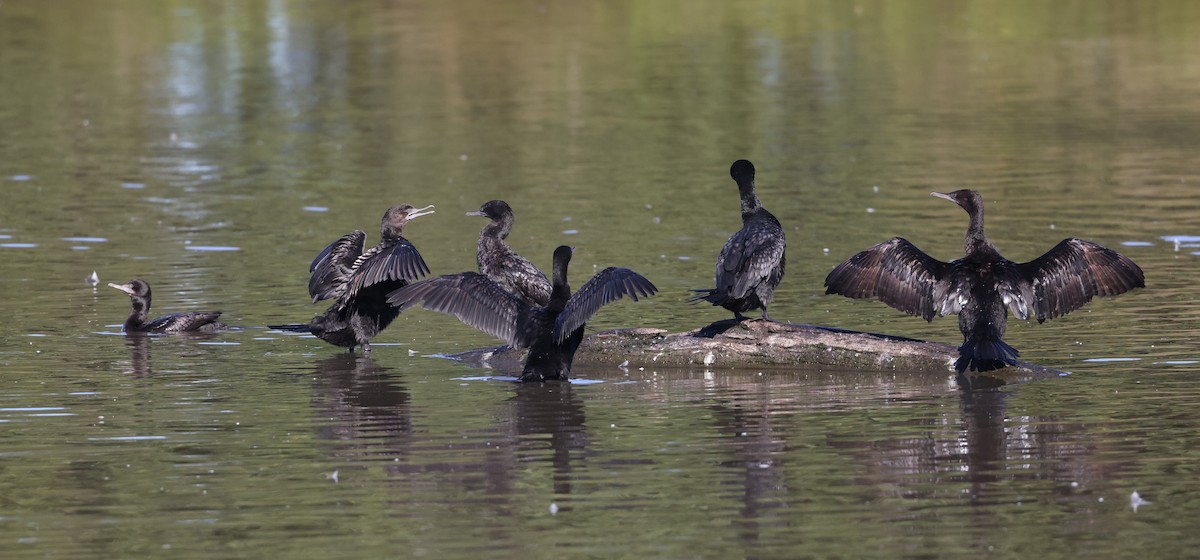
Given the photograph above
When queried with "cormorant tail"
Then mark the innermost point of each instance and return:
(985, 355)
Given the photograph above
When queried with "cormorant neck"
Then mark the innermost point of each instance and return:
(750, 201)
(560, 290)
(137, 315)
(975, 239)
(389, 231)
(499, 228)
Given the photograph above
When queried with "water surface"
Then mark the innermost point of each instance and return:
(213, 148)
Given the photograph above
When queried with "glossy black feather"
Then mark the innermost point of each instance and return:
(475, 300)
(358, 281)
(896, 272)
(140, 297)
(751, 264)
(1074, 271)
(607, 286)
(501, 263)
(983, 287)
(552, 332)
(334, 265)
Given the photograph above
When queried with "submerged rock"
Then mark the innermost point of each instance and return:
(764, 344)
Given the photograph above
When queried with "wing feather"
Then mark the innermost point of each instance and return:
(183, 322)
(394, 260)
(1073, 272)
(750, 256)
(475, 300)
(607, 286)
(334, 265)
(899, 274)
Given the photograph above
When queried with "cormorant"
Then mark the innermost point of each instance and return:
(552, 333)
(750, 265)
(139, 298)
(501, 264)
(358, 281)
(983, 286)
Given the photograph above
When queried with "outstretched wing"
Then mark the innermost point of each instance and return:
(1074, 271)
(896, 272)
(394, 260)
(752, 255)
(605, 287)
(475, 300)
(334, 265)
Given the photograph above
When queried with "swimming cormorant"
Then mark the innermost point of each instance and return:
(750, 265)
(552, 333)
(983, 286)
(501, 264)
(358, 281)
(139, 298)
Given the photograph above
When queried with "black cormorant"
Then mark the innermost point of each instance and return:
(983, 286)
(139, 298)
(750, 265)
(358, 281)
(504, 266)
(552, 333)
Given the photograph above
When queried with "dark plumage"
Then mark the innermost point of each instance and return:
(983, 286)
(750, 265)
(552, 333)
(358, 281)
(501, 264)
(139, 298)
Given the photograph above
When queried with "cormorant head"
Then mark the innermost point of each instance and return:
(968, 199)
(135, 288)
(398, 216)
(563, 254)
(494, 209)
(742, 170)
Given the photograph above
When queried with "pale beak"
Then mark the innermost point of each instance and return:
(418, 212)
(124, 288)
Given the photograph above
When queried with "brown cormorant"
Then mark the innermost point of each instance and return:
(750, 265)
(139, 298)
(501, 264)
(552, 333)
(983, 286)
(358, 281)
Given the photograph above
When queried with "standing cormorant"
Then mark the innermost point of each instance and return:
(983, 286)
(750, 265)
(552, 333)
(139, 298)
(501, 264)
(358, 281)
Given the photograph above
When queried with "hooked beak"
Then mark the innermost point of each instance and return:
(943, 195)
(476, 213)
(417, 213)
(123, 287)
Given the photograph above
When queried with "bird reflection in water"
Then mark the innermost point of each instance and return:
(369, 407)
(139, 344)
(549, 412)
(139, 354)
(756, 457)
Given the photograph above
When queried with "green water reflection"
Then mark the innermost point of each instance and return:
(137, 136)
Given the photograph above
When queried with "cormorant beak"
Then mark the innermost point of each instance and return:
(476, 213)
(418, 212)
(124, 288)
(943, 195)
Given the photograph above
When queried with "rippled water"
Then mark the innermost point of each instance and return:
(213, 148)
